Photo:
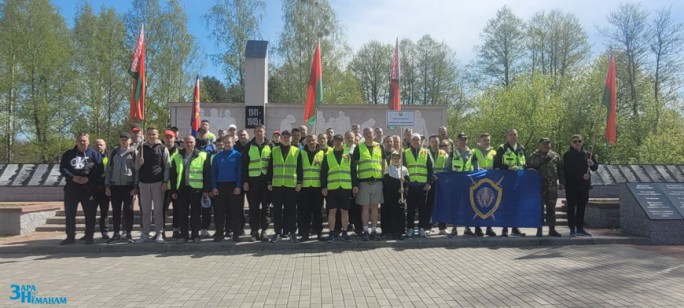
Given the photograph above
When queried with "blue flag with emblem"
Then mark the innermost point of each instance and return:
(489, 198)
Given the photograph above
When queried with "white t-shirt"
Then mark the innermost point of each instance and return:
(394, 171)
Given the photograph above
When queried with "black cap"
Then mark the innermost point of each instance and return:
(285, 133)
(462, 135)
(338, 137)
(125, 135)
(545, 139)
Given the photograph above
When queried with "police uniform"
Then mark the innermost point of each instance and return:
(550, 167)
(284, 174)
(190, 178)
(507, 158)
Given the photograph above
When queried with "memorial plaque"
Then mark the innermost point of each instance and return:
(254, 115)
(7, 176)
(602, 176)
(675, 192)
(617, 174)
(651, 171)
(641, 174)
(654, 201)
(678, 175)
(23, 175)
(38, 175)
(662, 170)
(54, 178)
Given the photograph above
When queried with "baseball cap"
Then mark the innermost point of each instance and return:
(232, 126)
(135, 127)
(169, 133)
(125, 135)
(285, 133)
(544, 140)
(338, 137)
(276, 132)
(462, 135)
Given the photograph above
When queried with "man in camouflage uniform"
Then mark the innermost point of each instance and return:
(550, 165)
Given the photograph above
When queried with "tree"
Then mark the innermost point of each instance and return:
(171, 55)
(100, 61)
(232, 23)
(213, 90)
(666, 46)
(371, 66)
(503, 50)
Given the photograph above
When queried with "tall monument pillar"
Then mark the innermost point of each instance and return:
(256, 83)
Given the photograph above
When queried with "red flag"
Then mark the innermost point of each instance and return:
(195, 118)
(610, 100)
(395, 94)
(314, 94)
(137, 71)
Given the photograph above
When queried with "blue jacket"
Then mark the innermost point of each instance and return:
(225, 167)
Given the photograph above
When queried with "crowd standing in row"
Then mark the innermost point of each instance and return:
(361, 177)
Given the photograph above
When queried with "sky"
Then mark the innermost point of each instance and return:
(455, 22)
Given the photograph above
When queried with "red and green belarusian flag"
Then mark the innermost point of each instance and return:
(395, 94)
(314, 94)
(195, 117)
(610, 100)
(137, 71)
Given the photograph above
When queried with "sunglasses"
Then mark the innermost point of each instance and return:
(577, 141)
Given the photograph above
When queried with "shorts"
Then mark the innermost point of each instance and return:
(370, 193)
(338, 199)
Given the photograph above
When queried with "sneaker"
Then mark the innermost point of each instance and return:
(218, 238)
(304, 238)
(105, 235)
(428, 232)
(366, 236)
(554, 233)
(478, 232)
(319, 236)
(89, 240)
(68, 241)
(263, 237)
(129, 238)
(490, 232)
(204, 233)
(517, 232)
(331, 238)
(468, 232)
(275, 238)
(346, 237)
(583, 233)
(114, 238)
(254, 236)
(143, 239)
(454, 232)
(504, 232)
(197, 240)
(160, 238)
(409, 233)
(573, 234)
(236, 238)
(176, 233)
(293, 238)
(539, 232)
(421, 233)
(374, 236)
(443, 232)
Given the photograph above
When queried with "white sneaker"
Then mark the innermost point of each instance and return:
(421, 232)
(159, 239)
(443, 232)
(409, 232)
(204, 233)
(143, 239)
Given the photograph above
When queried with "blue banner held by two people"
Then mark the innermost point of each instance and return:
(489, 198)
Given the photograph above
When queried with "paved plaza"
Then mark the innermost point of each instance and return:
(572, 275)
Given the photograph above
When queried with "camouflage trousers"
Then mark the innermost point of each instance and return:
(549, 197)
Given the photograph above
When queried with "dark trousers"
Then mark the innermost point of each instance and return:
(189, 202)
(284, 210)
(227, 209)
(393, 213)
(206, 216)
(417, 201)
(121, 199)
(259, 199)
(309, 211)
(577, 198)
(103, 202)
(168, 201)
(72, 197)
(355, 216)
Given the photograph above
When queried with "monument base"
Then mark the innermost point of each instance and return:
(634, 220)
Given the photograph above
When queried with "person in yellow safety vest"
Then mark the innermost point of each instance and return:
(439, 158)
(100, 197)
(370, 157)
(310, 200)
(254, 168)
(510, 156)
(350, 144)
(417, 160)
(285, 181)
(462, 159)
(190, 182)
(483, 159)
(338, 176)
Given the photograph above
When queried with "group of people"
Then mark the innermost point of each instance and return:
(360, 177)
